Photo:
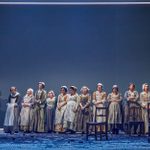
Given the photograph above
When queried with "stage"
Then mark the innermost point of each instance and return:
(69, 142)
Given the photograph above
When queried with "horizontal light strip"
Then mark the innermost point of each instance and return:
(74, 3)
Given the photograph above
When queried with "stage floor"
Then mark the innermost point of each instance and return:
(69, 142)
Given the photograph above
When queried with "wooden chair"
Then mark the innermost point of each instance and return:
(96, 124)
(136, 122)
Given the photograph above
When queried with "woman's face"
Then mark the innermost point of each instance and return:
(72, 92)
(62, 91)
(40, 86)
(131, 87)
(84, 91)
(115, 90)
(13, 90)
(146, 88)
(29, 92)
(50, 95)
(99, 88)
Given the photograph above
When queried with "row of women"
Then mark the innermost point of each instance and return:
(43, 112)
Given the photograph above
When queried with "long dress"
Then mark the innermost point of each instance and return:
(134, 95)
(71, 112)
(83, 115)
(11, 121)
(99, 97)
(144, 100)
(114, 117)
(25, 112)
(50, 113)
(40, 99)
(59, 113)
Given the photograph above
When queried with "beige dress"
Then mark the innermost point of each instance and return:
(59, 113)
(25, 112)
(99, 97)
(144, 100)
(115, 116)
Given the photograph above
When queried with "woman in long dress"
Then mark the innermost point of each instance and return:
(84, 109)
(71, 110)
(11, 122)
(40, 100)
(25, 110)
(115, 117)
(60, 109)
(50, 111)
(99, 100)
(144, 100)
(132, 100)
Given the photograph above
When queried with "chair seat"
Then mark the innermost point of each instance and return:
(96, 123)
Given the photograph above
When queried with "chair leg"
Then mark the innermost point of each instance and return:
(87, 131)
(95, 132)
(100, 132)
(106, 131)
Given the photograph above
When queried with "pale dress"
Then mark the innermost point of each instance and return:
(59, 113)
(25, 111)
(99, 97)
(70, 113)
(115, 116)
(144, 100)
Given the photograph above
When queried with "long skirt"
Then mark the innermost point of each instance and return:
(49, 119)
(83, 118)
(114, 116)
(145, 119)
(59, 119)
(69, 116)
(11, 119)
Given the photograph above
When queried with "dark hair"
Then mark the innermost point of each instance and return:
(64, 89)
(132, 85)
(73, 88)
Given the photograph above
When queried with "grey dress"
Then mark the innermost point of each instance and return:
(50, 113)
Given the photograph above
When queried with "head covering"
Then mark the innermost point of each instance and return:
(84, 87)
(52, 92)
(115, 86)
(43, 84)
(30, 90)
(100, 84)
(145, 84)
(64, 87)
(13, 87)
(73, 87)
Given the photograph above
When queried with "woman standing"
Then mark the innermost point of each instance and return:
(60, 109)
(114, 118)
(12, 112)
(40, 98)
(50, 111)
(99, 100)
(84, 109)
(28, 100)
(132, 100)
(71, 110)
(144, 100)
